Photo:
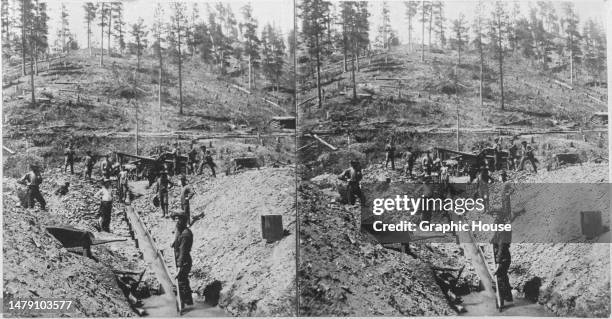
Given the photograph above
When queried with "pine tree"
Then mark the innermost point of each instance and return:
(251, 41)
(90, 14)
(460, 33)
(177, 28)
(139, 34)
(479, 44)
(5, 22)
(424, 9)
(158, 30)
(102, 12)
(314, 16)
(118, 25)
(41, 31)
(440, 21)
(411, 11)
(570, 28)
(192, 41)
(498, 26)
(64, 31)
(594, 49)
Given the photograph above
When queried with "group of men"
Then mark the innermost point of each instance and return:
(196, 161)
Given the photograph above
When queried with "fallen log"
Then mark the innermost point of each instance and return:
(333, 148)
(595, 99)
(307, 100)
(563, 84)
(241, 89)
(271, 103)
(305, 146)
(8, 150)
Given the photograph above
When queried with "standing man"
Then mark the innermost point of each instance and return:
(497, 154)
(69, 158)
(512, 155)
(209, 161)
(123, 184)
(482, 182)
(426, 163)
(409, 157)
(163, 185)
(390, 154)
(107, 167)
(353, 175)
(527, 156)
(105, 195)
(182, 254)
(202, 159)
(186, 194)
(192, 158)
(176, 153)
(32, 180)
(89, 163)
(501, 249)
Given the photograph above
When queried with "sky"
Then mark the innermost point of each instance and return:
(276, 12)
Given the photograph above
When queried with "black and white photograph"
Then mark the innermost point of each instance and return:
(148, 158)
(501, 103)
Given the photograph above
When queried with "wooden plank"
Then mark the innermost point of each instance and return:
(307, 100)
(333, 148)
(305, 146)
(595, 99)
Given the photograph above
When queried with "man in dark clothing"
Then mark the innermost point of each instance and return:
(208, 160)
(107, 167)
(497, 154)
(176, 153)
(182, 254)
(390, 154)
(353, 175)
(89, 163)
(69, 158)
(512, 155)
(32, 180)
(410, 157)
(501, 249)
(186, 194)
(163, 184)
(192, 159)
(527, 156)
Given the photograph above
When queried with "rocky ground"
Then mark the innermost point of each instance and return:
(256, 278)
(36, 264)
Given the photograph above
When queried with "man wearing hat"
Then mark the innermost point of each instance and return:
(192, 157)
(353, 175)
(89, 163)
(501, 249)
(409, 156)
(32, 180)
(163, 184)
(527, 156)
(497, 154)
(512, 156)
(176, 153)
(105, 194)
(182, 254)
(69, 158)
(209, 161)
(390, 154)
(186, 194)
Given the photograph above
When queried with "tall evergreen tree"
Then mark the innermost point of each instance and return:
(459, 39)
(118, 25)
(178, 29)
(314, 16)
(251, 41)
(440, 22)
(570, 28)
(158, 31)
(139, 34)
(498, 30)
(411, 11)
(90, 14)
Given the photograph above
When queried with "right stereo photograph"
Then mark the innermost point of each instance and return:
(452, 158)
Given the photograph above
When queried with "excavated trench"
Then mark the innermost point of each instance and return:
(165, 304)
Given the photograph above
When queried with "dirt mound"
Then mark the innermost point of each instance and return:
(342, 272)
(257, 278)
(36, 265)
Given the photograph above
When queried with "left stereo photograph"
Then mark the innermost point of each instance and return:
(148, 158)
